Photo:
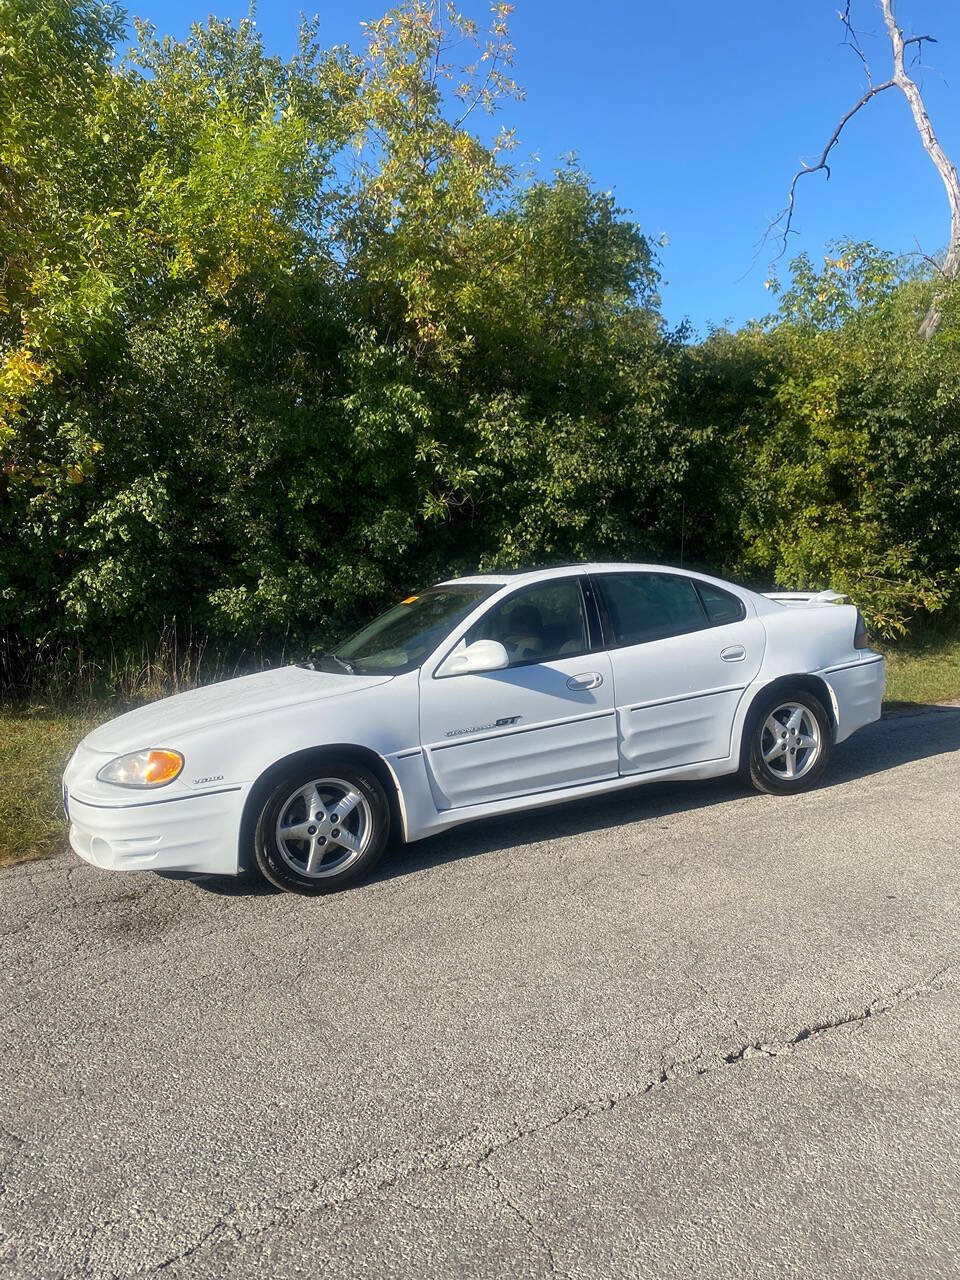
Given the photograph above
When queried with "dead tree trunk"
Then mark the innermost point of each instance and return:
(931, 144)
(950, 269)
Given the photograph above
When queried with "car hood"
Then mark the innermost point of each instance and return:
(165, 723)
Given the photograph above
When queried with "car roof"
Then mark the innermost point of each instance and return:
(510, 576)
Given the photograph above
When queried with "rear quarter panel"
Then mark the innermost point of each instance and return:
(818, 641)
(808, 639)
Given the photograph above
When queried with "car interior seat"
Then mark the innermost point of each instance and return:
(522, 632)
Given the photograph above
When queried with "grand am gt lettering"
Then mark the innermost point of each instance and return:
(480, 728)
(561, 683)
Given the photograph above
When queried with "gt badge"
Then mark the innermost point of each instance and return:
(482, 728)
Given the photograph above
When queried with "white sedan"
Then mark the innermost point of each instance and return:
(477, 696)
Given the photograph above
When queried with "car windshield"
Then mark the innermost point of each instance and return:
(405, 635)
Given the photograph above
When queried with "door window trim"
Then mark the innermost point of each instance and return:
(591, 613)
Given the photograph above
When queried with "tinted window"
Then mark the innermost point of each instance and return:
(721, 607)
(648, 606)
(537, 624)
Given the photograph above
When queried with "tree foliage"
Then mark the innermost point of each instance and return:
(847, 434)
(281, 337)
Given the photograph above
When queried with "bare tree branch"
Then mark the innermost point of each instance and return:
(784, 219)
(950, 268)
(851, 38)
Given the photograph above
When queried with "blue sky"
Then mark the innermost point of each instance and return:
(696, 116)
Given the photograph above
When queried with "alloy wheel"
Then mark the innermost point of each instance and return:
(790, 741)
(323, 828)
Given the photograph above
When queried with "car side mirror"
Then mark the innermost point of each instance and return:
(482, 655)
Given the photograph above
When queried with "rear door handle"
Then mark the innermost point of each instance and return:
(734, 653)
(588, 680)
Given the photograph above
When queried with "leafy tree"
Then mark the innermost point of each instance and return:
(281, 337)
(847, 431)
(282, 334)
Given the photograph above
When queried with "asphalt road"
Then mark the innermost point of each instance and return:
(684, 1032)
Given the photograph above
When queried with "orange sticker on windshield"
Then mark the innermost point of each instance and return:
(409, 599)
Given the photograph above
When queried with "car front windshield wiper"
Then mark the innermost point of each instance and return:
(331, 662)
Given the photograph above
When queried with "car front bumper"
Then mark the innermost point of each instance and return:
(198, 833)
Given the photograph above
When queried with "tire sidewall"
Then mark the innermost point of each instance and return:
(270, 861)
(761, 775)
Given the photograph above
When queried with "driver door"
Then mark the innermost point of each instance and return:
(545, 721)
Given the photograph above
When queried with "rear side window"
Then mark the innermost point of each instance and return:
(640, 607)
(721, 606)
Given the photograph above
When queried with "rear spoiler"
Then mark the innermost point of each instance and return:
(805, 597)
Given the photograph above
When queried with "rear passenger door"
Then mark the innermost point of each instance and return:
(683, 651)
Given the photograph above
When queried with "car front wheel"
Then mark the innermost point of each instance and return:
(322, 828)
(789, 743)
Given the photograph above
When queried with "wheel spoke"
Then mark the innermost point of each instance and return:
(774, 726)
(795, 719)
(804, 740)
(348, 840)
(315, 855)
(297, 830)
(772, 752)
(790, 760)
(347, 804)
(311, 800)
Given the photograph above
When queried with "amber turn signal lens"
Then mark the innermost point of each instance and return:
(162, 766)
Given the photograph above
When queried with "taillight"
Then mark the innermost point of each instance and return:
(860, 638)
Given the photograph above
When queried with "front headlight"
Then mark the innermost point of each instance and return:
(143, 768)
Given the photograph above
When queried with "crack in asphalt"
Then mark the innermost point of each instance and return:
(441, 1157)
(197, 1245)
(709, 995)
(929, 986)
(533, 1230)
(434, 1158)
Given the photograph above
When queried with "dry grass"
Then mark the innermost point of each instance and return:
(924, 669)
(35, 746)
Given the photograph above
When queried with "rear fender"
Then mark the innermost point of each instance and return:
(816, 685)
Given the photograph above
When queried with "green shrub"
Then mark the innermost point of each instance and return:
(281, 338)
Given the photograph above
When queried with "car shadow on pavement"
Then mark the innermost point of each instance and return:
(249, 884)
(911, 734)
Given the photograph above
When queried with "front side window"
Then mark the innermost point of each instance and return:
(406, 635)
(639, 607)
(537, 624)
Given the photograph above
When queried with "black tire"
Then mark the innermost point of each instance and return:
(771, 776)
(285, 862)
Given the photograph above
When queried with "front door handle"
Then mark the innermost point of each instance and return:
(588, 680)
(735, 653)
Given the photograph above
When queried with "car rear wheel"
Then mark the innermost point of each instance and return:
(322, 828)
(789, 742)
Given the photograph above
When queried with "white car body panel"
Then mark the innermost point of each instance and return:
(673, 708)
(548, 734)
(677, 697)
(234, 701)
